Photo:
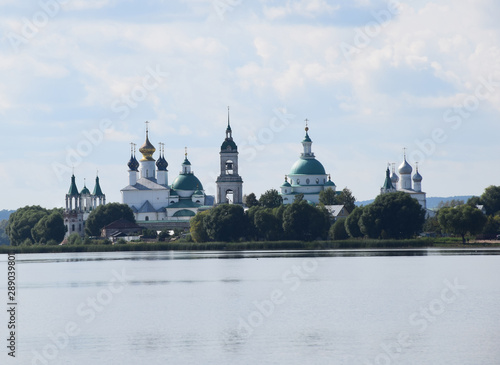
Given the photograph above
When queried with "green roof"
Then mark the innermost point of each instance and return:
(186, 162)
(184, 203)
(306, 138)
(187, 182)
(307, 166)
(97, 189)
(85, 191)
(73, 190)
(228, 143)
(388, 182)
(184, 213)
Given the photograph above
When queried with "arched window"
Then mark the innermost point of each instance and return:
(72, 228)
(229, 167)
(308, 181)
(147, 218)
(229, 196)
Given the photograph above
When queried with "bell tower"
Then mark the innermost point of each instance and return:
(229, 182)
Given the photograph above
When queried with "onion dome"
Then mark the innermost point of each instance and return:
(147, 149)
(133, 164)
(394, 177)
(85, 190)
(162, 164)
(286, 184)
(405, 168)
(417, 177)
(228, 144)
(330, 182)
(198, 191)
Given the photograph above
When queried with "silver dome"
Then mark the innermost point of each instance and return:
(405, 168)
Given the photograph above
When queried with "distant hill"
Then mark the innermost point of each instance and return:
(431, 202)
(5, 214)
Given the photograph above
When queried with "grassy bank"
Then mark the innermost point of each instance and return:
(250, 246)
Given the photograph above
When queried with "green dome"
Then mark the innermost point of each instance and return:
(228, 143)
(305, 166)
(187, 182)
(85, 191)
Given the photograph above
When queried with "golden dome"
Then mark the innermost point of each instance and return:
(147, 150)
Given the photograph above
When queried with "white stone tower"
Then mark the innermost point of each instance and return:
(229, 182)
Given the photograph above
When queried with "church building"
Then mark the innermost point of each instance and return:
(79, 205)
(393, 183)
(229, 182)
(307, 176)
(152, 198)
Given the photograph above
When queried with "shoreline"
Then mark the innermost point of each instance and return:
(254, 246)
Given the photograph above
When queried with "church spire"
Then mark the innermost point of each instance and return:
(147, 148)
(307, 142)
(229, 132)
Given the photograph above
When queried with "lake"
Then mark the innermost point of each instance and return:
(425, 306)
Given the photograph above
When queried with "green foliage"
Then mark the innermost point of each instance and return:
(451, 203)
(106, 214)
(328, 197)
(164, 234)
(302, 221)
(492, 227)
(352, 223)
(4, 238)
(338, 230)
(474, 200)
(52, 243)
(268, 226)
(121, 241)
(198, 230)
(461, 220)
(298, 198)
(75, 239)
(491, 199)
(226, 222)
(432, 225)
(395, 215)
(22, 222)
(271, 199)
(251, 200)
(345, 198)
(149, 233)
(50, 227)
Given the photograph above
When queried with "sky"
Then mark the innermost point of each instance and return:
(79, 79)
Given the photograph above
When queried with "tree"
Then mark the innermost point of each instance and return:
(198, 230)
(328, 197)
(461, 220)
(450, 203)
(75, 239)
(271, 199)
(298, 197)
(345, 198)
(226, 222)
(251, 200)
(338, 230)
(163, 235)
(22, 222)
(268, 226)
(394, 215)
(491, 199)
(302, 221)
(432, 225)
(352, 223)
(50, 227)
(492, 226)
(106, 214)
(4, 239)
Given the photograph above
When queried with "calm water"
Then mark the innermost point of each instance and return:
(340, 307)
